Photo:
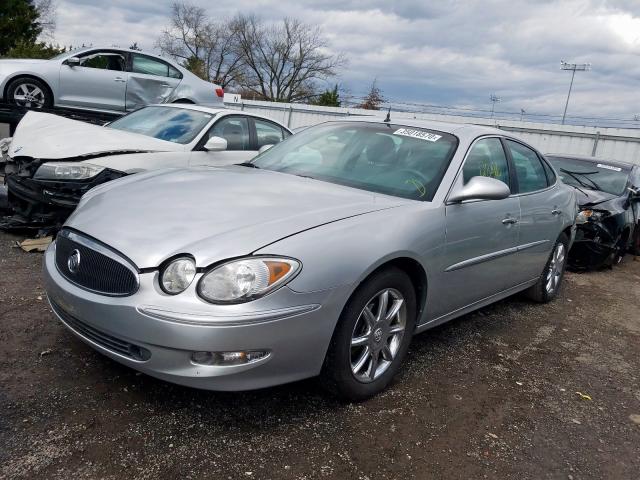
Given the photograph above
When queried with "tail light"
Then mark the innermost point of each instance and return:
(220, 92)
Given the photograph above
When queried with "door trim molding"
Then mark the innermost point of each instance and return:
(493, 255)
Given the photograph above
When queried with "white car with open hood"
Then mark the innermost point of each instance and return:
(52, 161)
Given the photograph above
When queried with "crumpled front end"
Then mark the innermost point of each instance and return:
(596, 242)
(42, 204)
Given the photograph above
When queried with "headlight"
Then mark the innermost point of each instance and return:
(246, 279)
(178, 275)
(67, 171)
(584, 216)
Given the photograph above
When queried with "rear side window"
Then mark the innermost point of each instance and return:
(486, 159)
(267, 133)
(153, 66)
(529, 170)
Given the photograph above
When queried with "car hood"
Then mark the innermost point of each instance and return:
(591, 198)
(213, 213)
(51, 137)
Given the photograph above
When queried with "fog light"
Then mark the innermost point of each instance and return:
(228, 358)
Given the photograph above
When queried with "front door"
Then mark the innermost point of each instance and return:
(240, 147)
(98, 82)
(481, 235)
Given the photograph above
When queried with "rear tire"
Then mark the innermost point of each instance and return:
(29, 92)
(372, 336)
(548, 285)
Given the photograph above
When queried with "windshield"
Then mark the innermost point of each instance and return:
(177, 125)
(390, 159)
(593, 175)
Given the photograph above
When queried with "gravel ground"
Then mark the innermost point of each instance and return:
(491, 395)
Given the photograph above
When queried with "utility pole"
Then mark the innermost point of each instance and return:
(522, 112)
(579, 67)
(494, 99)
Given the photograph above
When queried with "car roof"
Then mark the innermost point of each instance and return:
(466, 129)
(216, 111)
(616, 163)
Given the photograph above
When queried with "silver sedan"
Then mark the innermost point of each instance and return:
(322, 256)
(102, 79)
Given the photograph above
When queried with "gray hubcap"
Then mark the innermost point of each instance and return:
(29, 95)
(555, 268)
(377, 335)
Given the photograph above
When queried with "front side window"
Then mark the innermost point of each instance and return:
(104, 61)
(153, 66)
(235, 130)
(178, 125)
(529, 170)
(594, 175)
(486, 159)
(407, 162)
(267, 133)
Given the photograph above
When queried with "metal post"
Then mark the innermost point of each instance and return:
(595, 144)
(290, 113)
(573, 74)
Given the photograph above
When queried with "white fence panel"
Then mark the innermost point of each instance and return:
(608, 143)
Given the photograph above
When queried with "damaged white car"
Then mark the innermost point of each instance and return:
(52, 161)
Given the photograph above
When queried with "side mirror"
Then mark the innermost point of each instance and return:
(264, 148)
(481, 188)
(216, 144)
(72, 61)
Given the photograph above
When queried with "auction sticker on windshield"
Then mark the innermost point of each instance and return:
(408, 132)
(609, 167)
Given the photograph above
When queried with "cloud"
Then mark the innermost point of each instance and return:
(451, 52)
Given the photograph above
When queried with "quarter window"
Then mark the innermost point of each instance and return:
(267, 133)
(486, 159)
(235, 130)
(529, 170)
(153, 66)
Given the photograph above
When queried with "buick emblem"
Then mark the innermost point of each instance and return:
(73, 263)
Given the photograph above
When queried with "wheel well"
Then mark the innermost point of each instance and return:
(567, 232)
(182, 100)
(416, 274)
(17, 77)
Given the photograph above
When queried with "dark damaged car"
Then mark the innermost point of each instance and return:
(52, 161)
(609, 199)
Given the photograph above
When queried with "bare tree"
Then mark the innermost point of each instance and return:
(46, 18)
(202, 44)
(283, 62)
(374, 99)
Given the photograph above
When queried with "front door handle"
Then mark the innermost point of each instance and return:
(119, 79)
(509, 221)
(555, 211)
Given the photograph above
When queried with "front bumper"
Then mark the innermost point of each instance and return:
(295, 328)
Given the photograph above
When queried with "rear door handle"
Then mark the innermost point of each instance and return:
(509, 221)
(165, 85)
(119, 79)
(555, 211)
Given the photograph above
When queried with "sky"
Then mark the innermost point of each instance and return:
(444, 52)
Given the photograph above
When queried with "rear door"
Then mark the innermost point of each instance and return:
(241, 145)
(541, 203)
(98, 82)
(151, 80)
(481, 235)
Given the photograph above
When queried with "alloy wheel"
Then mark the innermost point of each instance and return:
(29, 95)
(377, 335)
(556, 267)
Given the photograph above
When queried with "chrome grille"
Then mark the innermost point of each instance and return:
(97, 267)
(103, 339)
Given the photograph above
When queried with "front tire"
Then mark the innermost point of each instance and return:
(29, 93)
(372, 336)
(548, 285)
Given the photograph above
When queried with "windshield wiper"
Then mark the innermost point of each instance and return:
(577, 179)
(584, 175)
(247, 164)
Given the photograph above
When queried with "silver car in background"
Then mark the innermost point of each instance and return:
(322, 256)
(102, 79)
